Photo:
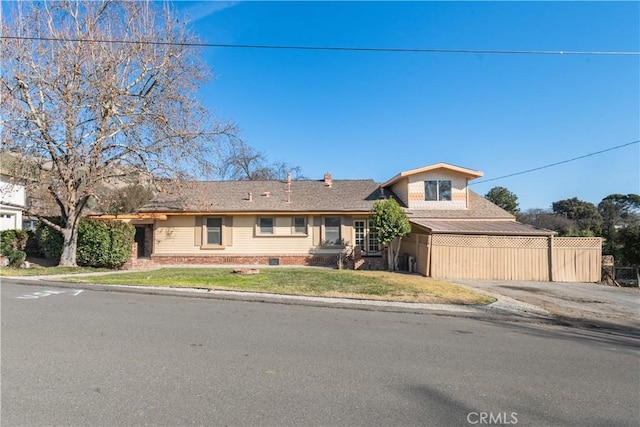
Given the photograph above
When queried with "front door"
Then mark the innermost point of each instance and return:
(140, 239)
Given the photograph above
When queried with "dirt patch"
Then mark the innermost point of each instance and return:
(42, 262)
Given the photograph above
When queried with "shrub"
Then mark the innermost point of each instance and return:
(13, 239)
(49, 240)
(12, 243)
(16, 258)
(100, 243)
(104, 244)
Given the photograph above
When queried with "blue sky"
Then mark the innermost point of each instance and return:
(374, 114)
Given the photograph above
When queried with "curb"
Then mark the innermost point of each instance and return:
(504, 308)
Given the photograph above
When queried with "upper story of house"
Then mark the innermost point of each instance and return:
(435, 187)
(11, 193)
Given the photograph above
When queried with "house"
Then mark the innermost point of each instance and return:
(12, 203)
(18, 194)
(455, 232)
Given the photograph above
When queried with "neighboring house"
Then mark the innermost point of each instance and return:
(18, 195)
(12, 203)
(455, 232)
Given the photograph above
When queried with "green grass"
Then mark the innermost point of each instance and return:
(376, 285)
(46, 271)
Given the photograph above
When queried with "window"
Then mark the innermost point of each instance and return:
(266, 225)
(332, 227)
(439, 190)
(374, 244)
(366, 236)
(300, 225)
(214, 231)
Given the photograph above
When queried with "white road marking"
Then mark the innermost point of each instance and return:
(41, 294)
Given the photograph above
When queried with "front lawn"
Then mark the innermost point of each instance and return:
(375, 285)
(46, 271)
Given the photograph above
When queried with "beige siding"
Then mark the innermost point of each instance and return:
(516, 258)
(415, 191)
(400, 189)
(247, 241)
(416, 246)
(179, 235)
(175, 235)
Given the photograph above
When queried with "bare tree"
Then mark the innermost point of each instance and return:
(125, 199)
(239, 161)
(97, 89)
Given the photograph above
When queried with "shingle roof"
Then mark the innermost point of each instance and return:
(479, 208)
(496, 227)
(305, 196)
(269, 196)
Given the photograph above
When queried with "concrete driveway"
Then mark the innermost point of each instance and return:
(588, 304)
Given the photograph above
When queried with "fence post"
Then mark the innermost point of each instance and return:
(551, 258)
(429, 254)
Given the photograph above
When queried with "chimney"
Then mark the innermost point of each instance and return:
(328, 181)
(250, 197)
(289, 178)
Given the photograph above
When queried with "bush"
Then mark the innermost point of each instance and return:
(12, 244)
(13, 239)
(49, 240)
(16, 258)
(100, 243)
(104, 244)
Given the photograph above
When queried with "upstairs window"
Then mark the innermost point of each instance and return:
(437, 190)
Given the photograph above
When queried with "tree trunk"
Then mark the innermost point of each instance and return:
(395, 257)
(69, 245)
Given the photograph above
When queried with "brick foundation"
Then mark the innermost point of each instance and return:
(325, 260)
(155, 260)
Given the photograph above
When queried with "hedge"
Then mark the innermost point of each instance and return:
(100, 243)
(12, 245)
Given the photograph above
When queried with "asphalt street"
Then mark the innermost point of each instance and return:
(77, 357)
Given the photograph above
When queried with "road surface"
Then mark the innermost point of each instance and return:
(80, 357)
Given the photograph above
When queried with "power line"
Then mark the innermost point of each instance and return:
(335, 48)
(555, 164)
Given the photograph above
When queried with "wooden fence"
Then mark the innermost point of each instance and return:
(534, 258)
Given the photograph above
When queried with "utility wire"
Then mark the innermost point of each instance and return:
(335, 48)
(555, 164)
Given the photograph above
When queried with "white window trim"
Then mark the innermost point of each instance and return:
(367, 237)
